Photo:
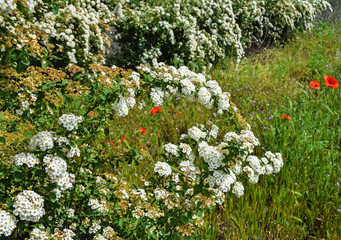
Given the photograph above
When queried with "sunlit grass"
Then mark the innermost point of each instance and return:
(303, 200)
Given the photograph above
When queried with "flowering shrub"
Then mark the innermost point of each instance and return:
(60, 181)
(194, 32)
(53, 34)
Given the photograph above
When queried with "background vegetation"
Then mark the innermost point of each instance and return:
(109, 170)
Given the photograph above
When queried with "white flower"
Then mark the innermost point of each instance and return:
(238, 189)
(7, 223)
(29, 206)
(196, 134)
(25, 158)
(108, 232)
(69, 121)
(171, 149)
(39, 234)
(41, 141)
(120, 107)
(94, 228)
(163, 169)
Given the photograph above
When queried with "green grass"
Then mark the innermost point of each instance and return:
(303, 200)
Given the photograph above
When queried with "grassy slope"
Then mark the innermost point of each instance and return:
(303, 200)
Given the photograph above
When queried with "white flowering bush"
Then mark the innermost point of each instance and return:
(60, 180)
(55, 34)
(195, 32)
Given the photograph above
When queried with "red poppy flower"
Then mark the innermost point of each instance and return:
(286, 117)
(155, 110)
(331, 82)
(143, 130)
(112, 143)
(179, 113)
(125, 138)
(158, 134)
(119, 141)
(315, 84)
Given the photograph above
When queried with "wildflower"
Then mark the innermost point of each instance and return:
(155, 110)
(112, 143)
(179, 113)
(125, 138)
(286, 117)
(315, 84)
(331, 82)
(143, 130)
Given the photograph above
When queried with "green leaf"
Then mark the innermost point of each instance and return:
(65, 81)
(53, 196)
(55, 9)
(297, 219)
(184, 219)
(48, 85)
(73, 143)
(19, 177)
(25, 61)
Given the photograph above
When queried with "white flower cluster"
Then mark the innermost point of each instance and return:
(196, 134)
(122, 105)
(95, 227)
(79, 28)
(39, 234)
(25, 158)
(222, 180)
(66, 234)
(223, 175)
(163, 169)
(172, 149)
(214, 131)
(100, 206)
(7, 223)
(180, 81)
(7, 6)
(41, 141)
(24, 105)
(74, 151)
(247, 140)
(157, 96)
(189, 169)
(141, 193)
(69, 121)
(211, 155)
(56, 169)
(29, 206)
(109, 232)
(160, 194)
(270, 164)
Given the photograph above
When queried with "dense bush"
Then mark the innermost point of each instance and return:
(198, 32)
(44, 34)
(57, 175)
